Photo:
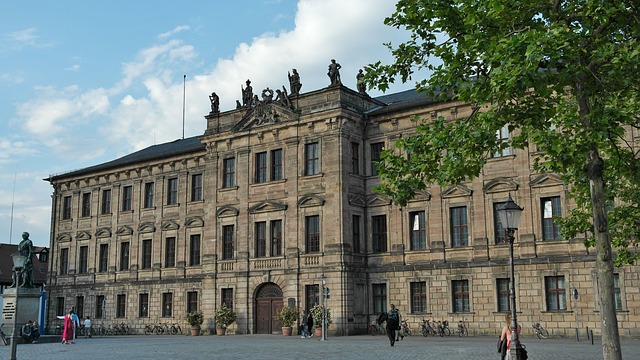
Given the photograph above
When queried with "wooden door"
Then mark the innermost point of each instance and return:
(268, 302)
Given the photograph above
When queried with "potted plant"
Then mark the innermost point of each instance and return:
(287, 316)
(316, 312)
(195, 319)
(225, 316)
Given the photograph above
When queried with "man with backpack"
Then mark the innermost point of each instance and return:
(393, 321)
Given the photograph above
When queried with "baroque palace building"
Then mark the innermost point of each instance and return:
(277, 193)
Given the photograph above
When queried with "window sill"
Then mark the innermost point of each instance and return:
(312, 176)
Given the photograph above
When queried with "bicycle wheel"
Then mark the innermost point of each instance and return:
(543, 333)
(424, 331)
(4, 338)
(173, 330)
(148, 330)
(447, 331)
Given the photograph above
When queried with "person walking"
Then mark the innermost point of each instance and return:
(310, 325)
(67, 326)
(87, 327)
(393, 319)
(303, 325)
(76, 323)
(399, 334)
(505, 338)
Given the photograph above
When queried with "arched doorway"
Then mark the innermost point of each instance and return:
(268, 301)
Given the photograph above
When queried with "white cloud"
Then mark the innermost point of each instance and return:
(176, 30)
(74, 67)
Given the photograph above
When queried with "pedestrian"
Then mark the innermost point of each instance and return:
(505, 338)
(310, 325)
(393, 319)
(303, 325)
(67, 329)
(399, 334)
(29, 332)
(87, 327)
(76, 323)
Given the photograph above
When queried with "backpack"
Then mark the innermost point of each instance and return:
(393, 315)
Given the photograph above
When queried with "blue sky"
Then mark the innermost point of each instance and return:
(84, 82)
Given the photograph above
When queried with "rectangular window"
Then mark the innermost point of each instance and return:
(100, 303)
(504, 304)
(194, 250)
(80, 306)
(418, 297)
(312, 234)
(499, 232)
(276, 238)
(261, 168)
(228, 173)
(66, 208)
(379, 233)
(460, 296)
(379, 297)
(103, 261)
(170, 252)
(148, 195)
(502, 135)
(143, 305)
(192, 301)
(86, 204)
(127, 194)
(617, 295)
(376, 152)
(311, 296)
(121, 306)
(227, 297)
(227, 242)
(355, 158)
(64, 261)
(551, 211)
(167, 304)
(146, 254)
(311, 159)
(106, 201)
(60, 309)
(418, 230)
(276, 165)
(172, 191)
(261, 239)
(196, 187)
(355, 233)
(458, 226)
(83, 260)
(124, 256)
(555, 293)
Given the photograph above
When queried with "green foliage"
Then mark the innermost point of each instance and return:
(288, 315)
(195, 318)
(316, 313)
(225, 316)
(557, 73)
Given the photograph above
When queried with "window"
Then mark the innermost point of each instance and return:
(311, 296)
(124, 256)
(106, 201)
(502, 285)
(311, 160)
(86, 204)
(103, 260)
(616, 291)
(376, 152)
(260, 239)
(172, 191)
(555, 293)
(355, 233)
(60, 310)
(502, 135)
(66, 208)
(227, 242)
(418, 297)
(460, 296)
(418, 231)
(170, 252)
(167, 304)
(64, 261)
(196, 187)
(499, 232)
(100, 303)
(127, 193)
(146, 254)
(550, 213)
(312, 234)
(148, 195)
(143, 305)
(276, 165)
(227, 297)
(459, 229)
(379, 233)
(121, 306)
(194, 250)
(355, 158)
(83, 259)
(261, 168)
(228, 173)
(276, 238)
(379, 297)
(80, 306)
(192, 301)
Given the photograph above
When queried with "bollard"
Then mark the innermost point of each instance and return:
(591, 337)
(588, 337)
(577, 335)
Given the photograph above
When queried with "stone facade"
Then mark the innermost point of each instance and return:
(273, 196)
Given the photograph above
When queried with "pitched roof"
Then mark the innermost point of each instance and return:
(6, 265)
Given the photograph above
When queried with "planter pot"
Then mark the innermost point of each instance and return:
(286, 330)
(221, 331)
(317, 331)
(195, 331)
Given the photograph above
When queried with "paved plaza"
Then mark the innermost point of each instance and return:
(279, 347)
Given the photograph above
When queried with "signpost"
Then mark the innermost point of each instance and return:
(575, 309)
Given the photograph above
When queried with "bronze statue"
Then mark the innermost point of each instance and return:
(334, 72)
(247, 94)
(215, 102)
(26, 249)
(362, 87)
(294, 82)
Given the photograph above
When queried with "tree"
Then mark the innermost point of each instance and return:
(558, 74)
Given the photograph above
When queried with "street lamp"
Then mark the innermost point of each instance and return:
(18, 265)
(324, 309)
(509, 214)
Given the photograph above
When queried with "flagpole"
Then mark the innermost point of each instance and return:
(13, 197)
(184, 92)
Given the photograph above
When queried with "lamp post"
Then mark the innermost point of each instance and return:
(509, 215)
(324, 309)
(18, 264)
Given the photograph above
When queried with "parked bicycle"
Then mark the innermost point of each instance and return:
(376, 328)
(540, 332)
(426, 328)
(405, 329)
(3, 336)
(443, 328)
(462, 329)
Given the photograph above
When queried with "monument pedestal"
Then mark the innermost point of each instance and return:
(28, 306)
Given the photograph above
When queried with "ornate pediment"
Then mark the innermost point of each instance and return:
(103, 232)
(356, 200)
(64, 237)
(421, 196)
(543, 180)
(501, 184)
(310, 200)
(194, 221)
(457, 191)
(377, 200)
(226, 211)
(83, 235)
(267, 206)
(265, 112)
(169, 225)
(146, 227)
(124, 230)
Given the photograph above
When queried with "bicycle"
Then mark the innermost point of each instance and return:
(175, 329)
(375, 328)
(426, 328)
(3, 336)
(540, 332)
(443, 328)
(406, 330)
(462, 329)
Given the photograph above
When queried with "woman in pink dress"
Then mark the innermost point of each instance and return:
(67, 330)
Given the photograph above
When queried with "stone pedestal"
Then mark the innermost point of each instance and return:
(28, 305)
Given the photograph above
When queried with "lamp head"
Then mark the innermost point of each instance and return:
(18, 260)
(509, 214)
